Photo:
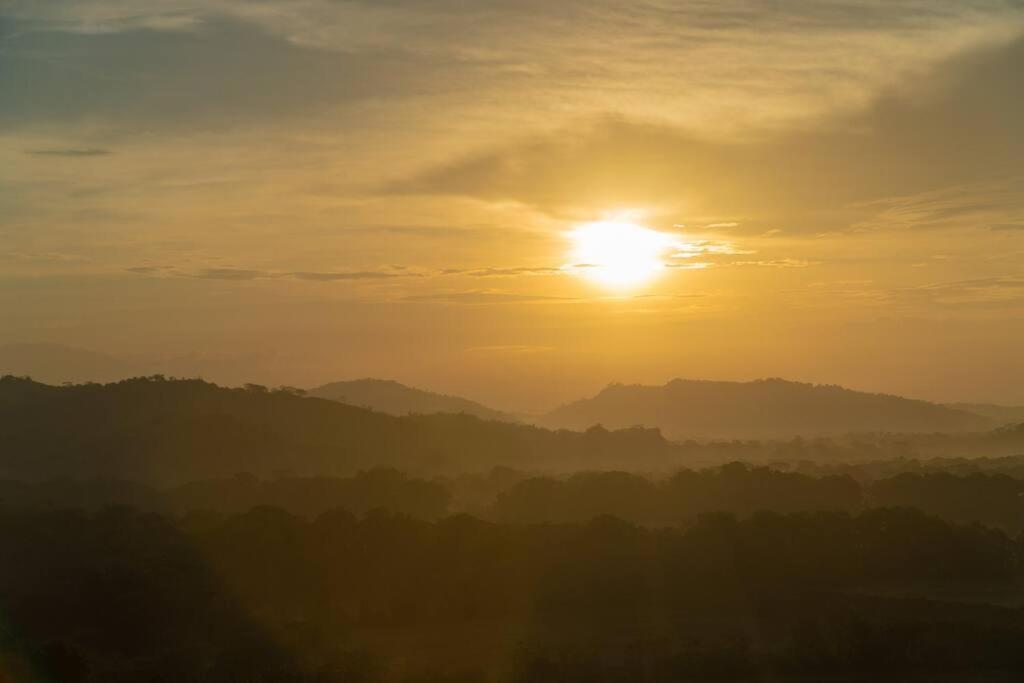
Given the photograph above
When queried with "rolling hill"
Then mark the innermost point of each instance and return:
(393, 398)
(1005, 415)
(763, 409)
(168, 431)
(163, 431)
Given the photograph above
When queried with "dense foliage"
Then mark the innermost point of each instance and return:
(120, 595)
(175, 531)
(505, 495)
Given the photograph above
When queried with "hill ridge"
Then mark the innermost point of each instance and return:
(762, 408)
(397, 398)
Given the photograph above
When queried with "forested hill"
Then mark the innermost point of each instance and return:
(163, 430)
(764, 409)
(1004, 415)
(395, 398)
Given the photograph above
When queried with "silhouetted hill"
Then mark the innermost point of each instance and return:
(172, 431)
(394, 398)
(770, 408)
(1006, 415)
(155, 429)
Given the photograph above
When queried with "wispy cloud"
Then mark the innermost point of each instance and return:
(246, 274)
(858, 47)
(70, 152)
(994, 205)
(504, 272)
(988, 291)
(694, 249)
(483, 297)
(147, 270)
(356, 275)
(47, 257)
(240, 274)
(777, 263)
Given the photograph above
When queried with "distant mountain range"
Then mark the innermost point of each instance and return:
(763, 409)
(393, 398)
(681, 409)
(172, 431)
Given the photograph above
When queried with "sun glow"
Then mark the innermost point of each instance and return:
(618, 254)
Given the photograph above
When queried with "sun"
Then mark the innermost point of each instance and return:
(618, 254)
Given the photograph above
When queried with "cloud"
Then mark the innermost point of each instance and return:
(703, 61)
(156, 64)
(1003, 282)
(69, 152)
(991, 204)
(777, 263)
(240, 274)
(357, 275)
(993, 292)
(503, 272)
(692, 249)
(483, 297)
(961, 126)
(225, 74)
(245, 274)
(103, 16)
(47, 257)
(430, 231)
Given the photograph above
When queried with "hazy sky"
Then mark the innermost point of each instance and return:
(298, 191)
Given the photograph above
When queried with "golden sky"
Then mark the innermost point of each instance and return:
(298, 191)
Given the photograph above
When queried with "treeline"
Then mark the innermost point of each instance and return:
(737, 488)
(164, 431)
(866, 451)
(504, 495)
(991, 499)
(870, 470)
(378, 488)
(121, 595)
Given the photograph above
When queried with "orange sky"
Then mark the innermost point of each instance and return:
(298, 191)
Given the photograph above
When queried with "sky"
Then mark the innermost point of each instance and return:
(301, 191)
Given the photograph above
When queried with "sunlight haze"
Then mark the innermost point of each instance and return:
(300, 192)
(512, 341)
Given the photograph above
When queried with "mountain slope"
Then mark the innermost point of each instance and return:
(390, 397)
(153, 429)
(770, 408)
(1006, 415)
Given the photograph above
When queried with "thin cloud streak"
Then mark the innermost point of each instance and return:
(70, 152)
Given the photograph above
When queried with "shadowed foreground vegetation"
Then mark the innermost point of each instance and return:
(120, 595)
(991, 498)
(363, 547)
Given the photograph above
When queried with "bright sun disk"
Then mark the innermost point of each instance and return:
(618, 254)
